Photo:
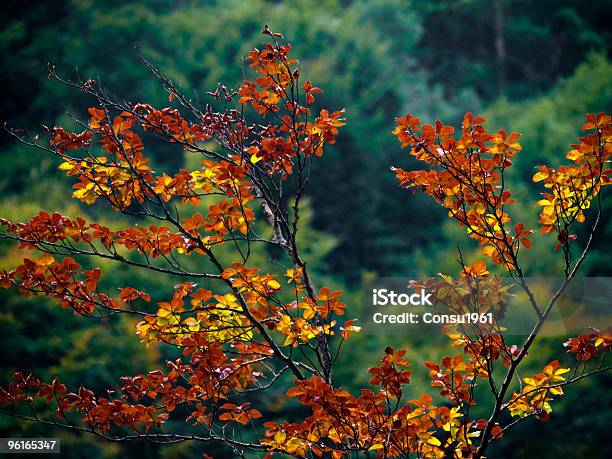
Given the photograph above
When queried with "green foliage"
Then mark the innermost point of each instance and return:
(540, 41)
(377, 59)
(549, 123)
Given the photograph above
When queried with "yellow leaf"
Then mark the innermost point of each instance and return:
(66, 166)
(279, 437)
(489, 250)
(545, 202)
(530, 381)
(46, 260)
(273, 284)
(538, 177)
(434, 441)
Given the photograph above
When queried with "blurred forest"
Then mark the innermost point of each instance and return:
(530, 66)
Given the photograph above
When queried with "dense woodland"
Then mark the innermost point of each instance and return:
(533, 67)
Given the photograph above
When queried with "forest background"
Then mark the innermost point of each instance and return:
(530, 66)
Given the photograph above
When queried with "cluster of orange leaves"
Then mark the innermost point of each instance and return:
(147, 400)
(538, 391)
(465, 175)
(572, 188)
(99, 412)
(278, 78)
(120, 173)
(55, 228)
(589, 345)
(341, 422)
(378, 422)
(61, 280)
